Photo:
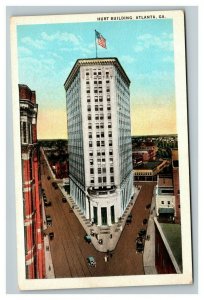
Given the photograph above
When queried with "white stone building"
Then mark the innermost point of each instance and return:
(99, 139)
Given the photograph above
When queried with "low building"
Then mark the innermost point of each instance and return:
(168, 248)
(148, 171)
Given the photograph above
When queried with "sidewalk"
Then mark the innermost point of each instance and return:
(149, 249)
(108, 235)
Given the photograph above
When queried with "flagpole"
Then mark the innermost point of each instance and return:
(96, 44)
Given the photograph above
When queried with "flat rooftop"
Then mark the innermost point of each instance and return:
(165, 182)
(148, 165)
(172, 233)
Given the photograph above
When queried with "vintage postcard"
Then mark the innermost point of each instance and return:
(101, 150)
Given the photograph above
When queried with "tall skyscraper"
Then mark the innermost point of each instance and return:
(34, 250)
(99, 139)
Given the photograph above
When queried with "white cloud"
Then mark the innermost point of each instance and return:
(62, 36)
(24, 51)
(38, 44)
(128, 59)
(163, 42)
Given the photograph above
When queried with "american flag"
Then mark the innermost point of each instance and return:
(100, 40)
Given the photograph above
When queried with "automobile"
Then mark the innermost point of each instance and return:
(145, 221)
(48, 177)
(87, 238)
(48, 203)
(49, 220)
(64, 200)
(91, 261)
(142, 232)
(139, 244)
(148, 206)
(129, 219)
(51, 235)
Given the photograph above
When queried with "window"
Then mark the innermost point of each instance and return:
(96, 117)
(102, 143)
(111, 152)
(107, 90)
(99, 170)
(111, 169)
(97, 135)
(109, 125)
(98, 143)
(110, 143)
(101, 117)
(95, 91)
(100, 99)
(24, 132)
(87, 82)
(88, 91)
(91, 171)
(91, 153)
(96, 107)
(162, 202)
(104, 170)
(112, 178)
(90, 126)
(92, 180)
(102, 134)
(110, 134)
(90, 135)
(90, 144)
(89, 117)
(89, 108)
(99, 179)
(88, 99)
(104, 179)
(169, 202)
(109, 116)
(101, 107)
(91, 162)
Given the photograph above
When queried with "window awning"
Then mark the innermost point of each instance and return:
(166, 210)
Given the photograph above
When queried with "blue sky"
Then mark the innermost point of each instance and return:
(144, 48)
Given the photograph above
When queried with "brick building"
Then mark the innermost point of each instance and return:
(34, 250)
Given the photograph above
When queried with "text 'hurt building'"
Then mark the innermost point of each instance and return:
(99, 139)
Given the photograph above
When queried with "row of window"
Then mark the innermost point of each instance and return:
(101, 143)
(98, 107)
(102, 179)
(101, 170)
(99, 134)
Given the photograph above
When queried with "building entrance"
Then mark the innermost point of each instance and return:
(104, 215)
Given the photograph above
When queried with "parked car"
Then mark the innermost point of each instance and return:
(91, 261)
(48, 203)
(87, 238)
(51, 235)
(139, 244)
(129, 219)
(145, 221)
(64, 200)
(148, 206)
(142, 233)
(48, 177)
(49, 220)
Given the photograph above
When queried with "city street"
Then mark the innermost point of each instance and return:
(69, 250)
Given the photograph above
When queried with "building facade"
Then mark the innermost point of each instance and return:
(34, 250)
(99, 139)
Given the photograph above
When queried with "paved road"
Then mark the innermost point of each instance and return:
(69, 249)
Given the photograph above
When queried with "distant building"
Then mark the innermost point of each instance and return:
(100, 150)
(146, 149)
(148, 171)
(34, 250)
(165, 199)
(168, 193)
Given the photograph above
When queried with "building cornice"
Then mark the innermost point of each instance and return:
(94, 61)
